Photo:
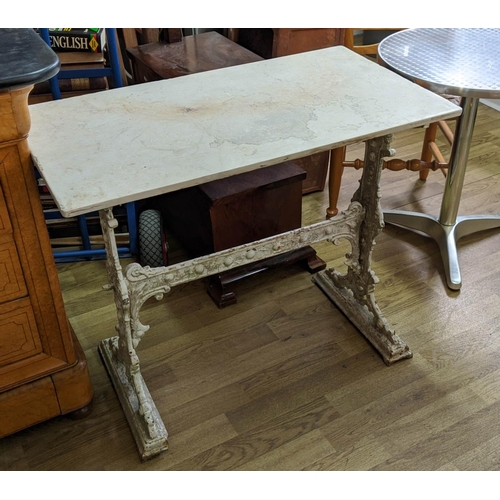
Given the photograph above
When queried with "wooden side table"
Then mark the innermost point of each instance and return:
(191, 54)
(43, 370)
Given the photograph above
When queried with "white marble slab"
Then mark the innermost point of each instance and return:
(127, 144)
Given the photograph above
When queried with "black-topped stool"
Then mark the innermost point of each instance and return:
(24, 60)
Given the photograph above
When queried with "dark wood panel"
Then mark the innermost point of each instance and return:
(240, 209)
(276, 42)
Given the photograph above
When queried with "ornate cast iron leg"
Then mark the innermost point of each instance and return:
(353, 292)
(136, 284)
(120, 357)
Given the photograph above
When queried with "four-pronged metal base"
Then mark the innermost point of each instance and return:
(445, 236)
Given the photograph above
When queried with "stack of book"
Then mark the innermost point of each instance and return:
(77, 49)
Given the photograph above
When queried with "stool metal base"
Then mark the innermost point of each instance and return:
(445, 236)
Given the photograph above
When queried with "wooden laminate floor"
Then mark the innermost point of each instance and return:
(282, 381)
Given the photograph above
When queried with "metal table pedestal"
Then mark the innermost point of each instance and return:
(458, 62)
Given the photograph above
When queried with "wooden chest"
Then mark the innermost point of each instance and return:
(237, 210)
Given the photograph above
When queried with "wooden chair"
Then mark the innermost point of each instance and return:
(431, 157)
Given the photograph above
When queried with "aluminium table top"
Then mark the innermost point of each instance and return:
(127, 144)
(457, 61)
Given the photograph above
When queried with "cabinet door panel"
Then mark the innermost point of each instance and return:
(26, 406)
(19, 337)
(5, 227)
(12, 284)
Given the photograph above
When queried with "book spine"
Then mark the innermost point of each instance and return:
(76, 41)
(38, 98)
(73, 84)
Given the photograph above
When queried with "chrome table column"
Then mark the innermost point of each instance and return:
(461, 62)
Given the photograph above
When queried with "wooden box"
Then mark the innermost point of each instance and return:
(237, 210)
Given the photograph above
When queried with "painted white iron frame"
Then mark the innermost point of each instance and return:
(352, 292)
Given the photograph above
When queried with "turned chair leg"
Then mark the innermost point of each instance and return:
(337, 158)
(429, 138)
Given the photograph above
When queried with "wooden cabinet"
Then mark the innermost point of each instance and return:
(43, 371)
(235, 210)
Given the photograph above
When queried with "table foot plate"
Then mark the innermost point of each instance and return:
(446, 236)
(148, 447)
(390, 347)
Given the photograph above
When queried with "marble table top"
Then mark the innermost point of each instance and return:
(122, 145)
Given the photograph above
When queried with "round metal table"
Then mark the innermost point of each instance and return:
(460, 62)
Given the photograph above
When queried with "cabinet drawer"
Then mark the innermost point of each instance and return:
(19, 338)
(27, 405)
(12, 284)
(5, 227)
